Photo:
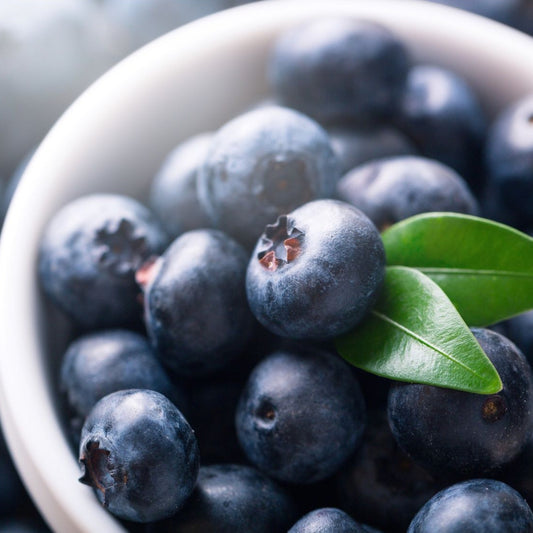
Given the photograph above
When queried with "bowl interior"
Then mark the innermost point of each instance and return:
(113, 139)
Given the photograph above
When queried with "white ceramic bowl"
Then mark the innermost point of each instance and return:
(113, 139)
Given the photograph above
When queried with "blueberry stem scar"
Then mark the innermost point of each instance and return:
(281, 243)
(94, 460)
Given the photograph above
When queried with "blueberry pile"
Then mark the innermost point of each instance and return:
(201, 387)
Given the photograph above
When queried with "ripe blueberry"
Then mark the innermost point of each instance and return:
(472, 506)
(139, 454)
(173, 193)
(460, 434)
(196, 311)
(89, 254)
(102, 362)
(262, 164)
(391, 189)
(301, 414)
(231, 498)
(443, 116)
(316, 272)
(327, 520)
(509, 159)
(339, 69)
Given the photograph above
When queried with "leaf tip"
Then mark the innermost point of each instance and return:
(494, 386)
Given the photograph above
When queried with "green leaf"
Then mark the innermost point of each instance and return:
(415, 334)
(484, 267)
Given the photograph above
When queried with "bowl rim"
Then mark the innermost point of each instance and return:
(33, 432)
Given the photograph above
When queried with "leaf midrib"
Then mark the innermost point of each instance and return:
(420, 339)
(473, 272)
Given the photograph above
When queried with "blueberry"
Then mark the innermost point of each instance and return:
(197, 315)
(354, 146)
(231, 498)
(444, 117)
(262, 164)
(340, 69)
(391, 189)
(316, 272)
(173, 195)
(139, 454)
(476, 434)
(301, 414)
(472, 506)
(89, 254)
(509, 159)
(380, 484)
(99, 363)
(327, 520)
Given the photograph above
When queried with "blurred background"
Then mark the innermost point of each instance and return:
(50, 51)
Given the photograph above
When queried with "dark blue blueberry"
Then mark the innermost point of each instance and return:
(89, 254)
(380, 484)
(327, 520)
(173, 194)
(509, 159)
(463, 434)
(316, 272)
(354, 147)
(473, 506)
(301, 415)
(520, 330)
(442, 114)
(262, 164)
(232, 498)
(139, 454)
(197, 315)
(391, 189)
(100, 363)
(340, 70)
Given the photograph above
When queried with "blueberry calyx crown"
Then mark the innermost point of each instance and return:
(97, 472)
(281, 243)
(119, 249)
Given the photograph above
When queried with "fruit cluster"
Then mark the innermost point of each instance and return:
(206, 323)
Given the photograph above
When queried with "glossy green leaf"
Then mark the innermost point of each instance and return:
(484, 267)
(415, 334)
